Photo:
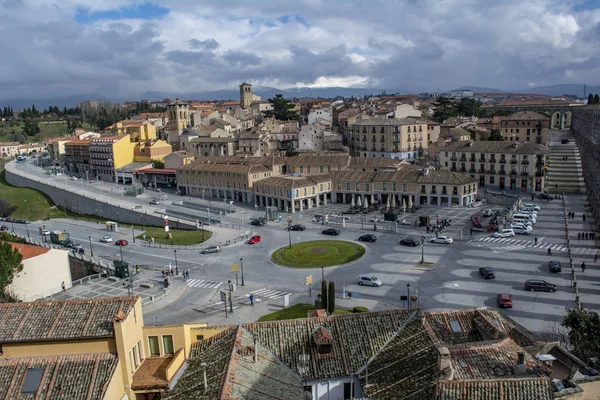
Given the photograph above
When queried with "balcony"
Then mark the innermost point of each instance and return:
(472, 170)
(453, 169)
(525, 162)
(423, 191)
(454, 193)
(444, 192)
(463, 159)
(482, 171)
(433, 192)
(539, 174)
(482, 159)
(473, 159)
(524, 173)
(492, 172)
(513, 161)
(513, 172)
(502, 161)
(453, 158)
(463, 170)
(492, 161)
(502, 172)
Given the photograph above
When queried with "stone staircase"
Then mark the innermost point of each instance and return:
(563, 175)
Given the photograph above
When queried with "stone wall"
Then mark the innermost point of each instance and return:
(80, 204)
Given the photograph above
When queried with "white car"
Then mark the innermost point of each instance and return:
(504, 233)
(528, 211)
(521, 226)
(532, 206)
(106, 239)
(46, 232)
(73, 178)
(521, 230)
(522, 223)
(441, 239)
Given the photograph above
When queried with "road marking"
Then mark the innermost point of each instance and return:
(201, 283)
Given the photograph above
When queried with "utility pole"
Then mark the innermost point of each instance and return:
(91, 248)
(132, 234)
(176, 267)
(242, 268)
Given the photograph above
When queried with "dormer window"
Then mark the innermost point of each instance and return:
(323, 341)
(455, 326)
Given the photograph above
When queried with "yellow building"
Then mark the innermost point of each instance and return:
(151, 150)
(108, 153)
(140, 131)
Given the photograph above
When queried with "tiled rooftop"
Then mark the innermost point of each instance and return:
(390, 121)
(29, 251)
(498, 389)
(318, 160)
(82, 376)
(496, 147)
(526, 115)
(59, 320)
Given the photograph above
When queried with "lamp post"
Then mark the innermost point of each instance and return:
(132, 234)
(176, 267)
(208, 214)
(322, 214)
(289, 221)
(91, 248)
(242, 268)
(12, 223)
(422, 249)
(121, 251)
(408, 294)
(230, 298)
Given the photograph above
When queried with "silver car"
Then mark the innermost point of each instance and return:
(369, 280)
(211, 249)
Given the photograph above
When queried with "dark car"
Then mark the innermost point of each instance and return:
(545, 196)
(3, 228)
(331, 231)
(257, 222)
(565, 141)
(410, 242)
(504, 301)
(538, 285)
(368, 238)
(487, 272)
(555, 266)
(69, 244)
(296, 227)
(121, 242)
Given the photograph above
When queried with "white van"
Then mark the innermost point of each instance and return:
(523, 218)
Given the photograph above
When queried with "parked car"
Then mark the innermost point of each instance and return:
(410, 242)
(121, 242)
(211, 249)
(521, 230)
(74, 178)
(296, 227)
(76, 245)
(254, 239)
(538, 285)
(45, 232)
(565, 141)
(257, 222)
(504, 233)
(155, 201)
(331, 231)
(106, 239)
(504, 301)
(532, 206)
(555, 266)
(3, 228)
(442, 240)
(545, 196)
(369, 280)
(368, 238)
(487, 272)
(69, 244)
(487, 212)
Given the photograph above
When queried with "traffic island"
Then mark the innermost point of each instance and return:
(318, 253)
(426, 265)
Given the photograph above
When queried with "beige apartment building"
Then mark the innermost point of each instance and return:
(525, 126)
(398, 138)
(77, 156)
(500, 166)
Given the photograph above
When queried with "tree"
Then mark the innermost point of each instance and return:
(31, 127)
(467, 106)
(590, 98)
(596, 99)
(10, 264)
(496, 136)
(584, 325)
(444, 108)
(331, 298)
(324, 295)
(6, 208)
(282, 108)
(158, 164)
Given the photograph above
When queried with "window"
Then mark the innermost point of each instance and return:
(168, 344)
(358, 187)
(367, 187)
(347, 186)
(455, 326)
(308, 170)
(153, 345)
(33, 377)
(384, 186)
(199, 337)
(404, 187)
(394, 186)
(348, 390)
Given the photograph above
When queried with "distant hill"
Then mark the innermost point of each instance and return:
(560, 89)
(40, 104)
(479, 89)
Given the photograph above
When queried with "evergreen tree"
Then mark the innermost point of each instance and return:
(495, 136)
(331, 298)
(10, 264)
(445, 108)
(324, 295)
(282, 109)
(596, 99)
(12, 114)
(590, 98)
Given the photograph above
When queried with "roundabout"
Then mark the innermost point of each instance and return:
(318, 253)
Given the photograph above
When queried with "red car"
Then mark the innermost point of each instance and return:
(121, 242)
(254, 239)
(504, 301)
(3, 228)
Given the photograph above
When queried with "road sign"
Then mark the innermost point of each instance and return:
(223, 296)
(234, 267)
(308, 280)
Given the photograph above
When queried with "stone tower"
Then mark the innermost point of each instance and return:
(179, 118)
(245, 95)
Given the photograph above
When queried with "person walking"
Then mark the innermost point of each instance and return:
(582, 267)
(187, 274)
(62, 285)
(252, 300)
(471, 231)
(535, 240)
(579, 236)
(549, 251)
(583, 216)
(596, 256)
(556, 186)
(163, 273)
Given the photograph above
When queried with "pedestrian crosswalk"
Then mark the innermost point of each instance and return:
(268, 293)
(510, 244)
(202, 283)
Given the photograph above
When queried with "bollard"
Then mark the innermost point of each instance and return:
(575, 284)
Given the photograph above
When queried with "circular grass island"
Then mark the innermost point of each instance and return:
(318, 253)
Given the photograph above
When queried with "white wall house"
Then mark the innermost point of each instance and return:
(406, 111)
(319, 115)
(44, 271)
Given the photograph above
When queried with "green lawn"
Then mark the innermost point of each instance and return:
(180, 236)
(46, 130)
(299, 310)
(318, 253)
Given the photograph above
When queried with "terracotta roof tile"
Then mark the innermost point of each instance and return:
(497, 389)
(28, 251)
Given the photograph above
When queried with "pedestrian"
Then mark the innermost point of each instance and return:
(152, 239)
(171, 271)
(556, 186)
(579, 236)
(592, 235)
(582, 267)
(583, 216)
(596, 256)
(549, 251)
(187, 274)
(535, 240)
(532, 196)
(62, 285)
(163, 273)
(471, 231)
(252, 300)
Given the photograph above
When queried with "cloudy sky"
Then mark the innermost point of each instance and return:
(53, 48)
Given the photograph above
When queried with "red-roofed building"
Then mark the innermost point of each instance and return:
(44, 272)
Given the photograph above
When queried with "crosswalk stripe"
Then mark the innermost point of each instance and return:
(202, 283)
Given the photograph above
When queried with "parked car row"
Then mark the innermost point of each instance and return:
(16, 221)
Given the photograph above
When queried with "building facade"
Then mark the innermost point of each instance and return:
(107, 153)
(77, 157)
(9, 149)
(503, 166)
(402, 139)
(179, 118)
(525, 126)
(245, 95)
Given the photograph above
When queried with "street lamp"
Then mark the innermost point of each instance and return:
(208, 214)
(422, 249)
(242, 268)
(132, 234)
(408, 294)
(91, 248)
(121, 251)
(230, 298)
(289, 221)
(176, 267)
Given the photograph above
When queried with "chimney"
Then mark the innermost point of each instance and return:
(520, 368)
(443, 358)
(255, 352)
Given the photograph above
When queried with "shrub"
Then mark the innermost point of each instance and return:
(331, 298)
(324, 295)
(359, 309)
